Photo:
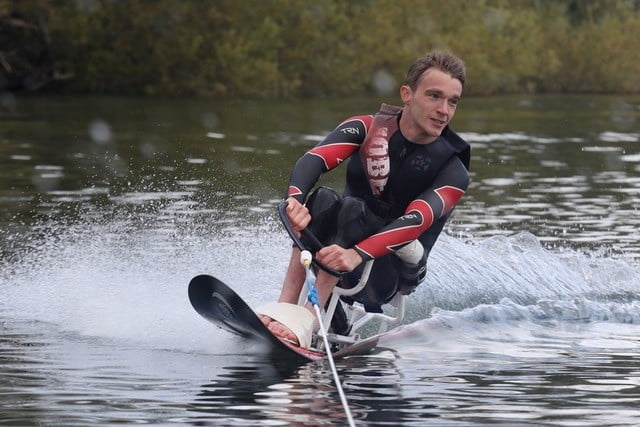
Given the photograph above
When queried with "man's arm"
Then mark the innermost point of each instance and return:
(431, 205)
(341, 143)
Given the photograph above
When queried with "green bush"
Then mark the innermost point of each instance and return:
(293, 48)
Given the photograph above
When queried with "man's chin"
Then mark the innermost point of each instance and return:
(434, 133)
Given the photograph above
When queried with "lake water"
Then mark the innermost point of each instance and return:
(108, 206)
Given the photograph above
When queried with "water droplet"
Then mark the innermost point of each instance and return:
(100, 132)
(383, 82)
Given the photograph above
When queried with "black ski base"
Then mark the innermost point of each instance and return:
(220, 305)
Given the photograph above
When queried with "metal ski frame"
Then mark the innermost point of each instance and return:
(356, 314)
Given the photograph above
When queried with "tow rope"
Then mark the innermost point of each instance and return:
(305, 259)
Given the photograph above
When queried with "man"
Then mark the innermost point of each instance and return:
(407, 170)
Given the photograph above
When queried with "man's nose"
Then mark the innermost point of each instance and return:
(443, 107)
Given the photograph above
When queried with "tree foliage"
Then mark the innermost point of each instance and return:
(287, 48)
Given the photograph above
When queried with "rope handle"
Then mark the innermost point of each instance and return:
(314, 243)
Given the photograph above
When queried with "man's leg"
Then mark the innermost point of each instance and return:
(292, 284)
(296, 275)
(381, 286)
(290, 292)
(293, 279)
(323, 204)
(412, 266)
(325, 283)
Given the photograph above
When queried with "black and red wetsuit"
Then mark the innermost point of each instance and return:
(425, 182)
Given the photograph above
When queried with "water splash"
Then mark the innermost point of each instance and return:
(126, 279)
(120, 280)
(518, 267)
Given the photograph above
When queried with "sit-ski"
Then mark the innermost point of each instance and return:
(218, 303)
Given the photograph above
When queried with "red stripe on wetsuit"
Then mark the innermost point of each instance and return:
(449, 196)
(338, 145)
(333, 154)
(294, 191)
(418, 217)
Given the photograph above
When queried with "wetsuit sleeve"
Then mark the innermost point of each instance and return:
(341, 143)
(430, 208)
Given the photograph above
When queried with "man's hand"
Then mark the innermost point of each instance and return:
(339, 258)
(298, 214)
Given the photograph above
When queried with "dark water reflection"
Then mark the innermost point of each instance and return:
(465, 378)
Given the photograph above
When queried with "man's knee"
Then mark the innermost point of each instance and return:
(355, 222)
(324, 204)
(412, 267)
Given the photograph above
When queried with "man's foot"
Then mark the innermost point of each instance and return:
(264, 319)
(279, 330)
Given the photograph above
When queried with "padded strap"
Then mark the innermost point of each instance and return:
(411, 253)
(295, 317)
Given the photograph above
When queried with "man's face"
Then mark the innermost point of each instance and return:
(431, 106)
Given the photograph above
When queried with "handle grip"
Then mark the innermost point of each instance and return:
(314, 244)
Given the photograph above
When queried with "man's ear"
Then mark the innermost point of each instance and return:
(405, 94)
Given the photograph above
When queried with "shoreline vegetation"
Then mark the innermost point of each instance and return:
(302, 48)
